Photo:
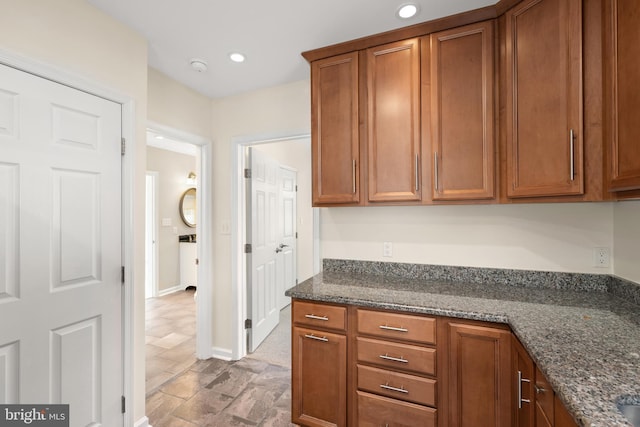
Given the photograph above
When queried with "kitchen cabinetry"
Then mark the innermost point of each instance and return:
(536, 404)
(462, 112)
(319, 364)
(478, 359)
(622, 99)
(393, 121)
(544, 126)
(396, 369)
(335, 142)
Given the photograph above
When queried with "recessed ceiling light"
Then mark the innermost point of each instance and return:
(407, 11)
(236, 57)
(200, 65)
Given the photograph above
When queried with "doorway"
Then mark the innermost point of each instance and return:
(297, 149)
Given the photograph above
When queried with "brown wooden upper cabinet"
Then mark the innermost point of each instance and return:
(544, 98)
(462, 112)
(393, 121)
(622, 97)
(335, 142)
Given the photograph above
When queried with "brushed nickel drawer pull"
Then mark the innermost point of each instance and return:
(417, 173)
(399, 390)
(520, 381)
(353, 176)
(435, 172)
(314, 317)
(313, 337)
(393, 359)
(393, 328)
(539, 390)
(572, 138)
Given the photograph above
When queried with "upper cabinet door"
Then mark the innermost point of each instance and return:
(393, 121)
(462, 113)
(544, 98)
(622, 97)
(334, 130)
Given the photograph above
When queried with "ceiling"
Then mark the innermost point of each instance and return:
(271, 33)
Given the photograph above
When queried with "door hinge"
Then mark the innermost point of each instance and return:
(122, 274)
(123, 404)
(123, 146)
(247, 173)
(247, 248)
(296, 234)
(247, 324)
(197, 261)
(296, 188)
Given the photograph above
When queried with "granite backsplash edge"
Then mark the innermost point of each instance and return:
(523, 278)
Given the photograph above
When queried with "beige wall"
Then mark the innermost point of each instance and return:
(177, 106)
(627, 240)
(279, 110)
(173, 169)
(297, 154)
(77, 38)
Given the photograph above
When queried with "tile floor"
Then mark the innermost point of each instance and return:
(185, 392)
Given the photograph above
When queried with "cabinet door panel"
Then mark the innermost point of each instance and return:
(622, 72)
(393, 121)
(334, 130)
(462, 113)
(479, 380)
(319, 378)
(544, 98)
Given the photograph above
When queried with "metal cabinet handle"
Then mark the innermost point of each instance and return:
(399, 390)
(538, 389)
(520, 381)
(393, 328)
(572, 137)
(435, 171)
(313, 337)
(353, 176)
(314, 317)
(417, 173)
(393, 359)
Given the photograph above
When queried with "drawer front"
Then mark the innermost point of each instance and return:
(397, 356)
(319, 315)
(398, 326)
(397, 385)
(544, 395)
(376, 411)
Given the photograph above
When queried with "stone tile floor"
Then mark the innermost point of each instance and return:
(185, 392)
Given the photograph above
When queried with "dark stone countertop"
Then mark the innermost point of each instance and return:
(587, 343)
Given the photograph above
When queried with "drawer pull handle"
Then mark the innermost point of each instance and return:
(539, 390)
(313, 337)
(520, 381)
(393, 328)
(393, 359)
(314, 317)
(399, 390)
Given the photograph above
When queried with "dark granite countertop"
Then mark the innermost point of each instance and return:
(586, 342)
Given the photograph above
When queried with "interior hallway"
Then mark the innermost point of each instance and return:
(185, 392)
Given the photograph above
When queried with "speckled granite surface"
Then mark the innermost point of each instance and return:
(584, 335)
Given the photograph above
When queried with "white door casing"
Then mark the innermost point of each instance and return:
(151, 236)
(263, 207)
(287, 235)
(60, 248)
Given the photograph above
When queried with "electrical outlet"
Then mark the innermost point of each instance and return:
(601, 257)
(387, 249)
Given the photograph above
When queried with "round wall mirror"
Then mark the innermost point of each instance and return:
(188, 207)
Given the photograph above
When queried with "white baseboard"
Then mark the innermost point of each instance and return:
(170, 290)
(142, 422)
(222, 353)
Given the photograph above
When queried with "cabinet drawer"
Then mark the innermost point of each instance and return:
(398, 326)
(544, 395)
(397, 356)
(319, 315)
(381, 411)
(397, 385)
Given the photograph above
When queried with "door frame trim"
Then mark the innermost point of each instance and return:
(204, 228)
(128, 126)
(238, 232)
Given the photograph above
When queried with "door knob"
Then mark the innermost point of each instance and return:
(282, 245)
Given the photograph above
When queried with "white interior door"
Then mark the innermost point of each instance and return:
(286, 259)
(263, 207)
(60, 249)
